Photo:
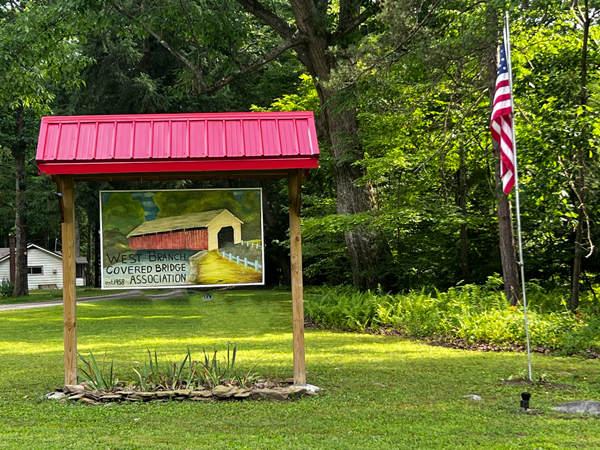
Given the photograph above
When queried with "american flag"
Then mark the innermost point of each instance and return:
(501, 124)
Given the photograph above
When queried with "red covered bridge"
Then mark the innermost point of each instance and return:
(196, 231)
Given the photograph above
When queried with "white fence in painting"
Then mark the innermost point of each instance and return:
(251, 244)
(242, 261)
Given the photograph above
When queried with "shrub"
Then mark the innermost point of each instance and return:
(209, 372)
(6, 288)
(96, 377)
(474, 314)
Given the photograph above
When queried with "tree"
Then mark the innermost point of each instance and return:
(38, 45)
(505, 221)
(317, 31)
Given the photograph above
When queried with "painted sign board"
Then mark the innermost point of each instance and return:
(181, 238)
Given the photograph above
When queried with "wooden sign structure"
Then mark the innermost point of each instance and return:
(177, 147)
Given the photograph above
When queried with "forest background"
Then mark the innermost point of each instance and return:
(406, 197)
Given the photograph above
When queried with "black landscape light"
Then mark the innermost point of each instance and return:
(525, 396)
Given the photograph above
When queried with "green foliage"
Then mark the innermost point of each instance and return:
(98, 378)
(208, 372)
(215, 372)
(151, 378)
(6, 288)
(471, 313)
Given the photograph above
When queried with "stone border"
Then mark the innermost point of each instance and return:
(82, 394)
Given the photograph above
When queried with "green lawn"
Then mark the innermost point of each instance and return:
(42, 295)
(421, 405)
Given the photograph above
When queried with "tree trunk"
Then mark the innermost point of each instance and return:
(21, 288)
(341, 130)
(505, 224)
(579, 186)
(464, 239)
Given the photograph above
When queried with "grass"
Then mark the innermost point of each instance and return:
(420, 407)
(44, 295)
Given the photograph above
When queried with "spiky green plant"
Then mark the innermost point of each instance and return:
(96, 377)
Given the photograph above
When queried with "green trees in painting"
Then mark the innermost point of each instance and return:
(244, 204)
(121, 214)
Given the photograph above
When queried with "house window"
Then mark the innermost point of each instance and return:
(35, 270)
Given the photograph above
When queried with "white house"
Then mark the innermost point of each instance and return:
(44, 268)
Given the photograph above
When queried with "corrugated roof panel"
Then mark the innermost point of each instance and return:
(85, 143)
(287, 137)
(252, 141)
(68, 141)
(143, 143)
(179, 139)
(51, 143)
(215, 144)
(161, 147)
(302, 132)
(270, 137)
(123, 141)
(141, 140)
(105, 140)
(197, 139)
(233, 139)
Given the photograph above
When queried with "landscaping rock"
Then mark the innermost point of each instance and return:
(272, 394)
(74, 389)
(110, 397)
(165, 394)
(583, 406)
(204, 393)
(146, 395)
(243, 393)
(183, 392)
(309, 387)
(92, 395)
(56, 395)
(267, 390)
(125, 393)
(224, 391)
(295, 392)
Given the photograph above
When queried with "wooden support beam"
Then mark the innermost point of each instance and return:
(66, 187)
(295, 189)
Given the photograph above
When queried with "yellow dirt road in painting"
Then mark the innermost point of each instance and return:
(214, 269)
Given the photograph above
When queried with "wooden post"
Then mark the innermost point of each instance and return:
(67, 188)
(295, 189)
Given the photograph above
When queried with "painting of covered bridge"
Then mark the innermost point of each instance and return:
(207, 230)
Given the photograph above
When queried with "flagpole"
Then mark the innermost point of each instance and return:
(517, 203)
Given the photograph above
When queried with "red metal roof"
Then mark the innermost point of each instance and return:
(171, 143)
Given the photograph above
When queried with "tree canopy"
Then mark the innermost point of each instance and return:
(406, 196)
